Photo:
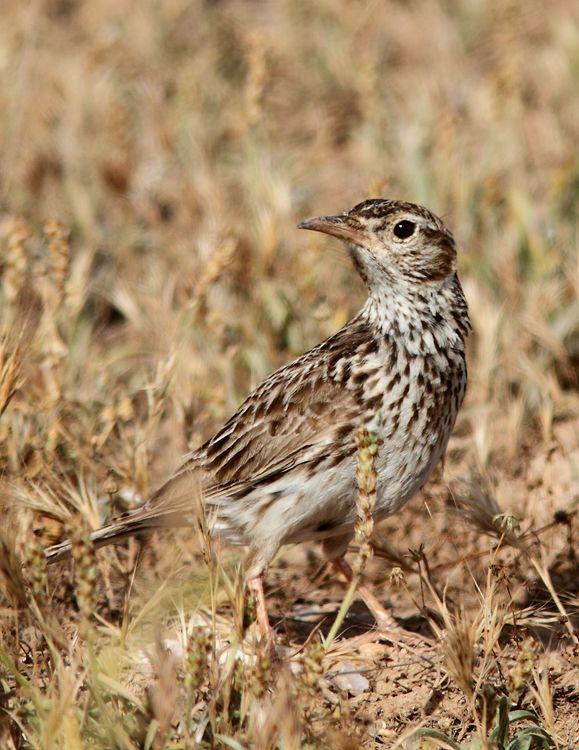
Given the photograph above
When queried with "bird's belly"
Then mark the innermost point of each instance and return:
(321, 503)
(325, 504)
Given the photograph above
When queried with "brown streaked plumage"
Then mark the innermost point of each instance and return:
(282, 468)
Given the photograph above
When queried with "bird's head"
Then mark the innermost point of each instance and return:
(392, 242)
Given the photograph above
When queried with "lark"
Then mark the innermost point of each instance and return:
(281, 470)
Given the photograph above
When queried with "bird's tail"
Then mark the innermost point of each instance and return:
(177, 503)
(131, 525)
(101, 537)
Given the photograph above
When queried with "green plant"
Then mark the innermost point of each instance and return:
(502, 736)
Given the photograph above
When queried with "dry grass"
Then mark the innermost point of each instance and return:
(154, 160)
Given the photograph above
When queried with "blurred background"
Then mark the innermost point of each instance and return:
(155, 157)
(179, 142)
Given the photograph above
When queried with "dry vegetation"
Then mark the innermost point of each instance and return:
(154, 160)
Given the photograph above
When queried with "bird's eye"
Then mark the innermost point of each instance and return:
(404, 229)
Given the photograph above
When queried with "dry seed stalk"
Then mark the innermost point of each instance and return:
(16, 261)
(397, 576)
(198, 653)
(52, 278)
(261, 674)
(53, 351)
(519, 676)
(367, 478)
(10, 368)
(59, 254)
(199, 648)
(85, 565)
(216, 265)
(459, 649)
(313, 669)
(34, 563)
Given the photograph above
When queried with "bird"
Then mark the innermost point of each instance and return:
(282, 469)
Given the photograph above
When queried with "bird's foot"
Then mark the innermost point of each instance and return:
(387, 628)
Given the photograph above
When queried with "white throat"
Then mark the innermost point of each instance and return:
(423, 320)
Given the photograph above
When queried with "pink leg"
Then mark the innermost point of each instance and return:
(388, 628)
(386, 623)
(255, 585)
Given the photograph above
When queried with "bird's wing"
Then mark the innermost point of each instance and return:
(302, 414)
(298, 419)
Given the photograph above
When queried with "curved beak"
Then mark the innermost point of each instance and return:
(341, 226)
